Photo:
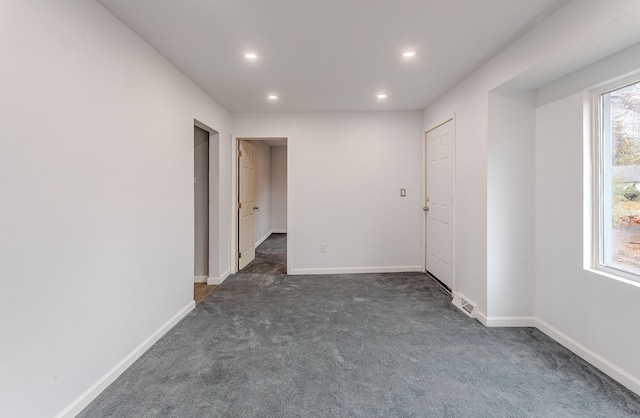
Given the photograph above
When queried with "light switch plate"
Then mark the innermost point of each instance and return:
(403, 192)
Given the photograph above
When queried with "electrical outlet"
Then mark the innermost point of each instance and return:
(323, 247)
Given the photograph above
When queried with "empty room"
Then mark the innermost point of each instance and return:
(391, 208)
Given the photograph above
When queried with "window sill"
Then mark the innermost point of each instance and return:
(614, 276)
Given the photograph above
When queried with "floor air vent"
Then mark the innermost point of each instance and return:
(466, 306)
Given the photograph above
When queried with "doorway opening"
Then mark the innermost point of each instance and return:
(205, 209)
(261, 203)
(439, 183)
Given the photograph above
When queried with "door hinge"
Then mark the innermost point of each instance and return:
(239, 255)
(239, 154)
(239, 205)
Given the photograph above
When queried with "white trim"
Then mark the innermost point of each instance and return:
(492, 321)
(358, 270)
(214, 178)
(290, 223)
(613, 277)
(510, 321)
(263, 239)
(234, 190)
(218, 280)
(600, 192)
(604, 365)
(621, 376)
(268, 234)
(444, 119)
(481, 317)
(75, 407)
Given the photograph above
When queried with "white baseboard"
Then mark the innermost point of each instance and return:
(602, 364)
(615, 372)
(510, 321)
(218, 280)
(357, 270)
(268, 234)
(263, 239)
(200, 279)
(491, 321)
(482, 317)
(90, 394)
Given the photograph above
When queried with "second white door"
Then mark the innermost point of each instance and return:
(246, 200)
(439, 203)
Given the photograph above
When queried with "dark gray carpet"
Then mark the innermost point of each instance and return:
(374, 345)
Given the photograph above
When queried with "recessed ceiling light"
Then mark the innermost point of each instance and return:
(250, 56)
(273, 97)
(382, 96)
(409, 54)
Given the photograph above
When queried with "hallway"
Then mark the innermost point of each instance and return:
(271, 257)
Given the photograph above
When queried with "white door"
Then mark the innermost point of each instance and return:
(439, 203)
(246, 195)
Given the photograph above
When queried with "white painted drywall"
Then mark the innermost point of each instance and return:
(96, 220)
(578, 33)
(348, 169)
(511, 204)
(201, 194)
(262, 216)
(596, 311)
(279, 189)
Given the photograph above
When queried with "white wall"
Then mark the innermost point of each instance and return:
(578, 33)
(511, 207)
(96, 173)
(347, 172)
(271, 189)
(592, 315)
(263, 191)
(595, 313)
(96, 221)
(279, 189)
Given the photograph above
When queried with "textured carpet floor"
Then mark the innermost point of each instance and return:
(265, 344)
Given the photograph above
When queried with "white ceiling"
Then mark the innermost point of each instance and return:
(328, 55)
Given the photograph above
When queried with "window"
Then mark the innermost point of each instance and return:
(617, 180)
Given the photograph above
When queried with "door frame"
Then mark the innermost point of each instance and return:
(234, 245)
(442, 121)
(214, 202)
(203, 279)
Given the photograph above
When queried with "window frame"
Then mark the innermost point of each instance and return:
(599, 186)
